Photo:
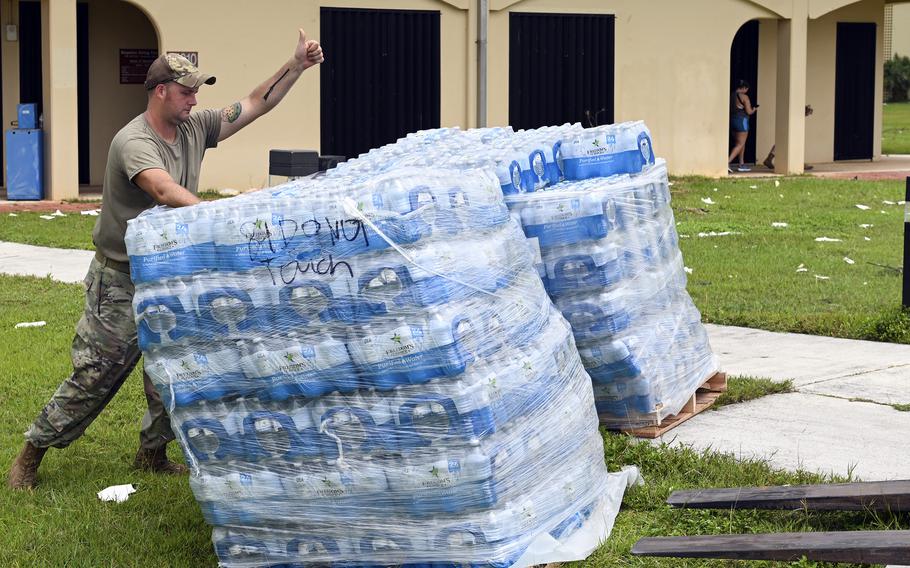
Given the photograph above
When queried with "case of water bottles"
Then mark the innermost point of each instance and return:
(365, 369)
(612, 265)
(594, 204)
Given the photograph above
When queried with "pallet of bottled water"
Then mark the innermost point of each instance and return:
(610, 259)
(366, 370)
(594, 204)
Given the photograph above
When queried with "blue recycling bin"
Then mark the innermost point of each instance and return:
(24, 164)
(27, 114)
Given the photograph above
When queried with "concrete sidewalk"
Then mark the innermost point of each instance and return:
(822, 427)
(65, 265)
(840, 420)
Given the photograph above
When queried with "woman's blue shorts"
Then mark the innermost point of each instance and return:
(740, 123)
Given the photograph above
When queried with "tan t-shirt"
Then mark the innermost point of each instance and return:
(138, 147)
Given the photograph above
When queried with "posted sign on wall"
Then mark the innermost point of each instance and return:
(134, 64)
(193, 56)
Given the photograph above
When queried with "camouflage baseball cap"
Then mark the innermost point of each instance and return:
(177, 68)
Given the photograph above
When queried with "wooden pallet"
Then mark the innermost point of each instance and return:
(703, 398)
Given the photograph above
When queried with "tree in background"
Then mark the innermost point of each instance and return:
(897, 79)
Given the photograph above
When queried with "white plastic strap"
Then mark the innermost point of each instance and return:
(350, 208)
(322, 430)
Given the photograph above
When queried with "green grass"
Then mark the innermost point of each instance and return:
(750, 278)
(742, 389)
(896, 128)
(72, 232)
(64, 524)
(665, 469)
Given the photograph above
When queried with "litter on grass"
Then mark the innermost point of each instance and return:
(801, 268)
(867, 225)
(849, 260)
(820, 277)
(92, 212)
(827, 240)
(861, 206)
(779, 224)
(58, 213)
(720, 234)
(30, 324)
(753, 187)
(687, 269)
(117, 493)
(867, 238)
(48, 217)
(13, 215)
(886, 202)
(707, 200)
(776, 183)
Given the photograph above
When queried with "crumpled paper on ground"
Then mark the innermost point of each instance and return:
(117, 493)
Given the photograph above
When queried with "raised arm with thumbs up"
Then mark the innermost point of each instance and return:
(266, 96)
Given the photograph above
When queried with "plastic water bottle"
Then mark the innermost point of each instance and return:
(444, 481)
(585, 266)
(164, 313)
(168, 244)
(608, 150)
(201, 372)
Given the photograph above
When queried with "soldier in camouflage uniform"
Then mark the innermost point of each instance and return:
(155, 159)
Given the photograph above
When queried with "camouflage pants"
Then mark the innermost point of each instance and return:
(104, 352)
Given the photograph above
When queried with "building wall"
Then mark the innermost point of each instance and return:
(671, 70)
(900, 30)
(821, 60)
(244, 49)
(113, 25)
(677, 84)
(766, 116)
(9, 52)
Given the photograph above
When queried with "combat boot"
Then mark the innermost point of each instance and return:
(24, 473)
(156, 461)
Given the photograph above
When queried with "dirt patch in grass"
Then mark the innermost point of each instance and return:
(47, 206)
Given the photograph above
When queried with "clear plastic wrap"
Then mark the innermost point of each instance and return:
(595, 206)
(612, 265)
(365, 369)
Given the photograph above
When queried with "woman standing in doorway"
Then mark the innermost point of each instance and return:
(740, 109)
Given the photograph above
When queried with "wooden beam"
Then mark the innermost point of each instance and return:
(868, 547)
(891, 496)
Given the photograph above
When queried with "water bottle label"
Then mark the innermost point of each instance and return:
(438, 475)
(399, 342)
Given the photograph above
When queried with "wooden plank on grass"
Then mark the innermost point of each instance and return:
(866, 547)
(891, 496)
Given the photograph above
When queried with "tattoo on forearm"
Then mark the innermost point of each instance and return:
(269, 92)
(231, 113)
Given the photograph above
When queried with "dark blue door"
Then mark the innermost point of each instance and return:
(380, 79)
(561, 69)
(854, 91)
